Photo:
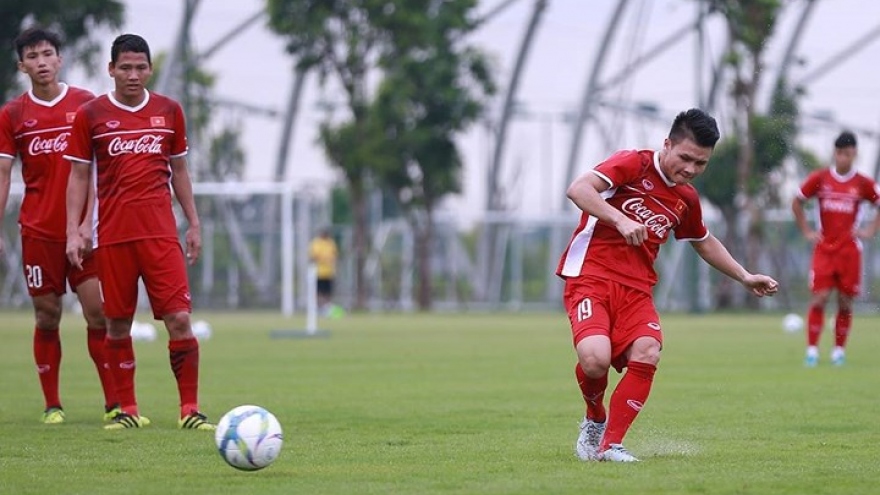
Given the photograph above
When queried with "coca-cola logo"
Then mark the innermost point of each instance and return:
(655, 222)
(148, 143)
(40, 146)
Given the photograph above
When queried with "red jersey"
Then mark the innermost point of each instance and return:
(839, 197)
(38, 131)
(644, 194)
(132, 148)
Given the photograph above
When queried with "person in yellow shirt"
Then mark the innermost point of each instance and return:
(323, 253)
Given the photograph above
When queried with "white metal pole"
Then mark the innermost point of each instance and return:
(312, 300)
(287, 253)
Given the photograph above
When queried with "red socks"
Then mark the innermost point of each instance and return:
(627, 400)
(841, 327)
(593, 392)
(120, 358)
(184, 356)
(95, 342)
(47, 357)
(815, 324)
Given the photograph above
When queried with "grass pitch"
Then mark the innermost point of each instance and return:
(455, 404)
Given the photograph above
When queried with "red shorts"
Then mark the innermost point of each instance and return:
(841, 270)
(159, 262)
(46, 269)
(604, 307)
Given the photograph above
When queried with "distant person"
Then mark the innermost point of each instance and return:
(632, 203)
(138, 141)
(36, 127)
(837, 256)
(323, 252)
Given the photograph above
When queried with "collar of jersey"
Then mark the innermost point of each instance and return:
(659, 171)
(140, 105)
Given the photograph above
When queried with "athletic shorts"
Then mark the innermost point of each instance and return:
(604, 307)
(159, 262)
(46, 269)
(841, 270)
(324, 286)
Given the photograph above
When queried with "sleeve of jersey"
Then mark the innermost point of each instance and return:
(872, 192)
(809, 187)
(7, 139)
(692, 227)
(179, 147)
(620, 168)
(79, 148)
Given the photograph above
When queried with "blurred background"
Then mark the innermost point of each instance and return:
(436, 138)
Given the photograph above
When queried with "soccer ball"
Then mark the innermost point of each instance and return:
(248, 438)
(792, 323)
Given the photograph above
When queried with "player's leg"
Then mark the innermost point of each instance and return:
(47, 353)
(88, 291)
(168, 289)
(590, 324)
(118, 274)
(635, 344)
(822, 280)
(849, 269)
(43, 264)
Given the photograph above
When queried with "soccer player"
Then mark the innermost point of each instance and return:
(323, 253)
(632, 203)
(36, 127)
(138, 142)
(837, 257)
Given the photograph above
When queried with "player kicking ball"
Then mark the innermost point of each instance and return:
(632, 203)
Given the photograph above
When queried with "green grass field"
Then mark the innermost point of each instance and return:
(456, 404)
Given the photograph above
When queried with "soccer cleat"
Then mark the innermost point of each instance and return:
(111, 412)
(838, 358)
(811, 361)
(53, 416)
(195, 421)
(124, 421)
(616, 453)
(587, 446)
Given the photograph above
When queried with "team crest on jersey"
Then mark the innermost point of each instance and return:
(70, 116)
(157, 121)
(30, 123)
(113, 124)
(648, 185)
(680, 206)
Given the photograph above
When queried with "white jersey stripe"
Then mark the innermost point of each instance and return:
(577, 250)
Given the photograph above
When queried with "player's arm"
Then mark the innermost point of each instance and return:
(5, 184)
(77, 195)
(87, 225)
(585, 191)
(182, 185)
(800, 218)
(714, 253)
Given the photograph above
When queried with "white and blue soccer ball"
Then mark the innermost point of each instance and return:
(792, 323)
(249, 438)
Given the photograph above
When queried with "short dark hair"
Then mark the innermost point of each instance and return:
(33, 36)
(696, 125)
(129, 43)
(846, 139)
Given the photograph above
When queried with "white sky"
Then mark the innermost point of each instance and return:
(255, 69)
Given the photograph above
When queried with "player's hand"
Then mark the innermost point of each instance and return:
(634, 232)
(814, 236)
(193, 244)
(85, 231)
(75, 250)
(761, 285)
(866, 233)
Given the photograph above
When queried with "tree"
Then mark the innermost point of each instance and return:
(74, 20)
(339, 38)
(435, 86)
(760, 142)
